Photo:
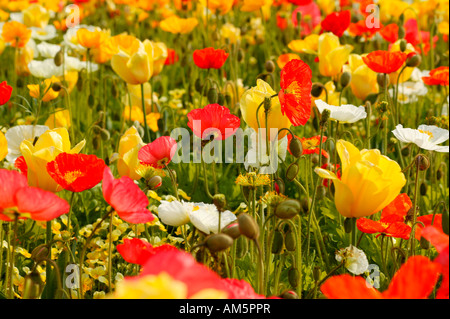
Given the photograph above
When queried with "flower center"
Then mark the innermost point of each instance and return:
(70, 177)
(427, 132)
(293, 88)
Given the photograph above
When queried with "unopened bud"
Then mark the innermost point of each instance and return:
(325, 116)
(293, 276)
(267, 103)
(40, 253)
(401, 35)
(422, 162)
(423, 189)
(232, 230)
(289, 241)
(414, 60)
(405, 151)
(59, 58)
(288, 209)
(56, 86)
(445, 221)
(277, 244)
(383, 80)
(317, 89)
(269, 66)
(154, 182)
(424, 243)
(289, 295)
(248, 226)
(213, 95)
(240, 55)
(104, 134)
(220, 201)
(345, 79)
(348, 225)
(91, 100)
(280, 187)
(32, 286)
(296, 147)
(218, 242)
(292, 171)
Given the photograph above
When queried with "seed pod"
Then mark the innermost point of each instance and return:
(288, 209)
(248, 226)
(213, 95)
(232, 230)
(289, 295)
(423, 189)
(104, 134)
(345, 79)
(293, 277)
(445, 221)
(218, 242)
(277, 244)
(296, 147)
(269, 66)
(422, 162)
(289, 241)
(292, 171)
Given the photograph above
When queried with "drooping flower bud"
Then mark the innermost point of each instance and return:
(218, 242)
(288, 209)
(232, 230)
(248, 226)
(422, 162)
(296, 147)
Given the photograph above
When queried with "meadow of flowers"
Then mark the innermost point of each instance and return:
(219, 149)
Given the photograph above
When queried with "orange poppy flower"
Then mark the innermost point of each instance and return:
(285, 58)
(76, 172)
(295, 93)
(414, 280)
(385, 61)
(16, 34)
(91, 39)
(310, 145)
(360, 28)
(438, 76)
(392, 222)
(390, 33)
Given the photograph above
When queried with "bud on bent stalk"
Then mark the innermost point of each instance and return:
(218, 242)
(248, 226)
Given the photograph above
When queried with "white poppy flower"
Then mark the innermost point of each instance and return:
(426, 137)
(48, 50)
(44, 69)
(43, 34)
(345, 113)
(205, 217)
(74, 64)
(409, 91)
(355, 260)
(174, 213)
(17, 134)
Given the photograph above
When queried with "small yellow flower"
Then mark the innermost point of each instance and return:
(332, 55)
(252, 179)
(60, 118)
(47, 94)
(3, 146)
(175, 24)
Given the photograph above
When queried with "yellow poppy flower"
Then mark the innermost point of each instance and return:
(129, 145)
(369, 181)
(3, 146)
(175, 24)
(60, 118)
(364, 80)
(47, 90)
(332, 55)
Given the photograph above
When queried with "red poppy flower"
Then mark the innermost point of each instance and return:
(425, 221)
(158, 153)
(26, 201)
(76, 172)
(137, 251)
(419, 39)
(210, 58)
(392, 222)
(337, 22)
(183, 267)
(361, 29)
(295, 93)
(5, 92)
(390, 32)
(172, 57)
(310, 145)
(385, 61)
(126, 198)
(282, 22)
(438, 76)
(440, 241)
(415, 279)
(21, 165)
(211, 120)
(300, 2)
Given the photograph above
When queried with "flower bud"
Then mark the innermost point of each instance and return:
(422, 162)
(316, 273)
(423, 189)
(348, 225)
(383, 80)
(401, 35)
(213, 96)
(59, 58)
(277, 244)
(267, 103)
(154, 182)
(324, 118)
(57, 86)
(220, 99)
(289, 295)
(405, 151)
(317, 89)
(345, 79)
(104, 134)
(288, 209)
(289, 241)
(240, 55)
(292, 171)
(248, 226)
(445, 222)
(198, 85)
(218, 242)
(32, 286)
(269, 66)
(305, 202)
(40, 253)
(220, 201)
(280, 186)
(296, 147)
(414, 60)
(293, 277)
(232, 230)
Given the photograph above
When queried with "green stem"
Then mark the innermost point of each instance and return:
(147, 131)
